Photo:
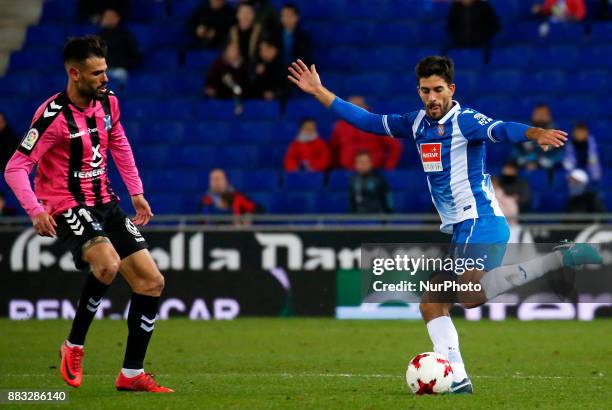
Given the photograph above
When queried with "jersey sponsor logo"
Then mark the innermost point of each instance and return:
(52, 109)
(30, 139)
(96, 158)
(89, 174)
(107, 123)
(82, 132)
(129, 225)
(482, 119)
(431, 156)
(441, 130)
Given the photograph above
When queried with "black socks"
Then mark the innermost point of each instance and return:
(141, 321)
(88, 306)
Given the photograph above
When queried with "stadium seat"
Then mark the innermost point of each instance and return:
(174, 181)
(166, 203)
(236, 157)
(200, 59)
(54, 11)
(410, 181)
(260, 180)
(503, 81)
(169, 133)
(215, 110)
(194, 156)
(338, 180)
(293, 203)
(151, 156)
(145, 85)
(601, 32)
(260, 110)
(272, 156)
(46, 35)
(303, 181)
(206, 132)
(512, 57)
(332, 203)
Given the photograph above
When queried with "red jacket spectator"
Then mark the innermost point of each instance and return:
(308, 151)
(575, 9)
(234, 201)
(347, 141)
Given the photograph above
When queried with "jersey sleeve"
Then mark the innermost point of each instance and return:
(45, 131)
(476, 126)
(122, 152)
(399, 125)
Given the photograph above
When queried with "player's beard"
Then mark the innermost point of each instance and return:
(440, 112)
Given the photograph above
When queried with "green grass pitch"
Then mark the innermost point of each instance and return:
(319, 363)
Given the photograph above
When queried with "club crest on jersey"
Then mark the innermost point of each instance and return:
(441, 130)
(107, 122)
(431, 156)
(30, 139)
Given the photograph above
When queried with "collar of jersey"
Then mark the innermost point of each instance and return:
(448, 115)
(65, 95)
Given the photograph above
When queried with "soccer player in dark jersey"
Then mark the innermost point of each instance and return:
(69, 140)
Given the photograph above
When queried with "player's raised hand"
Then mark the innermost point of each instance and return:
(306, 79)
(547, 138)
(44, 224)
(143, 210)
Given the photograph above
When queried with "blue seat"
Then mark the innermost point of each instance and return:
(144, 109)
(145, 85)
(263, 199)
(151, 156)
(54, 11)
(303, 181)
(206, 132)
(166, 203)
(298, 109)
(512, 57)
(169, 133)
(597, 56)
(215, 110)
(593, 80)
(237, 157)
(261, 180)
(332, 203)
(556, 57)
(293, 203)
(252, 132)
(200, 59)
(32, 58)
(132, 130)
(547, 201)
(406, 180)
(187, 83)
(541, 81)
(50, 35)
(173, 181)
(195, 156)
(384, 59)
(339, 180)
(272, 156)
(184, 8)
(178, 109)
(601, 32)
(162, 60)
(143, 34)
(379, 83)
(260, 110)
(504, 81)
(468, 58)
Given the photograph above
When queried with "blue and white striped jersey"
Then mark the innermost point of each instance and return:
(452, 152)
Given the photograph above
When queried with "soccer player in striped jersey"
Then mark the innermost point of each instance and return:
(451, 143)
(69, 140)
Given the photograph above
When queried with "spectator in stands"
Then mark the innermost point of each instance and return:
(90, 11)
(347, 141)
(210, 23)
(223, 199)
(268, 77)
(123, 54)
(368, 190)
(265, 15)
(472, 24)
(582, 198)
(603, 11)
(8, 142)
(308, 152)
(528, 155)
(6, 210)
(561, 10)
(509, 205)
(246, 33)
(294, 40)
(513, 185)
(228, 75)
(582, 152)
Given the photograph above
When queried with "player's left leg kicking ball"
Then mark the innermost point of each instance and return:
(470, 239)
(105, 239)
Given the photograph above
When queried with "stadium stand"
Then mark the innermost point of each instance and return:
(178, 135)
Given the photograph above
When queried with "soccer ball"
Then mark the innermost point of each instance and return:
(429, 373)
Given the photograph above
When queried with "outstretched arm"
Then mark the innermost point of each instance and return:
(517, 132)
(308, 81)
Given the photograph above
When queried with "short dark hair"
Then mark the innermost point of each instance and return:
(441, 66)
(362, 153)
(292, 6)
(581, 125)
(305, 120)
(80, 49)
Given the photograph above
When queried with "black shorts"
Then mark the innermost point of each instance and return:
(82, 223)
